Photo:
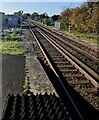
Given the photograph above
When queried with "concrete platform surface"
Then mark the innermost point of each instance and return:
(38, 79)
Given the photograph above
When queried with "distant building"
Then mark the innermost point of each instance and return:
(57, 25)
(1, 20)
(8, 21)
(12, 21)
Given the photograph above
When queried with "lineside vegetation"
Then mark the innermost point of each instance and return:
(82, 21)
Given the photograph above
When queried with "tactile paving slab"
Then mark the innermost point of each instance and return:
(34, 107)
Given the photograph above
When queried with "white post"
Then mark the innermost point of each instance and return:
(21, 22)
(69, 27)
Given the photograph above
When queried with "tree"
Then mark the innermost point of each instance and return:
(65, 16)
(26, 15)
(84, 18)
(19, 13)
(35, 16)
(55, 17)
(44, 15)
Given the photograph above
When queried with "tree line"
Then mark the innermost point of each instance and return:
(82, 19)
(44, 18)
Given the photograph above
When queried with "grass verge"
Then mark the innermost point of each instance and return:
(92, 38)
(12, 47)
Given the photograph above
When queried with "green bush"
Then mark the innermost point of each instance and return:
(26, 86)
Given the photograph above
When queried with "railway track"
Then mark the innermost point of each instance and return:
(65, 68)
(91, 61)
(93, 50)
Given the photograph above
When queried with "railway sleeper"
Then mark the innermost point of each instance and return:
(61, 66)
(68, 70)
(86, 89)
(57, 56)
(52, 50)
(79, 82)
(60, 59)
(72, 75)
(52, 54)
(62, 62)
(83, 86)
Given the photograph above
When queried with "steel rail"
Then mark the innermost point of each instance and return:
(93, 73)
(74, 107)
(65, 53)
(90, 71)
(76, 48)
(60, 33)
